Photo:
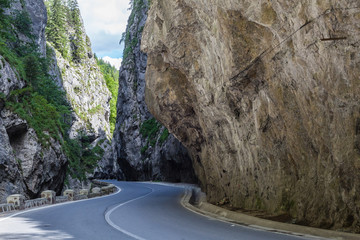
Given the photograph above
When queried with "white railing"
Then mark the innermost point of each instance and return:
(61, 199)
(36, 202)
(7, 207)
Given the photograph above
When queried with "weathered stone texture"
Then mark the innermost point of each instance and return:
(37, 13)
(26, 167)
(265, 95)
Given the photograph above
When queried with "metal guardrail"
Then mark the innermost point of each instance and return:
(36, 202)
(7, 207)
(61, 199)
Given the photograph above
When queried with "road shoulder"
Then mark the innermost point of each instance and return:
(202, 207)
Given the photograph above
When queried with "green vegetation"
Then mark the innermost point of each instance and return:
(61, 18)
(42, 103)
(83, 157)
(56, 27)
(79, 51)
(95, 110)
(150, 130)
(132, 41)
(164, 136)
(111, 76)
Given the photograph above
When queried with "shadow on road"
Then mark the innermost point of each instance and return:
(27, 228)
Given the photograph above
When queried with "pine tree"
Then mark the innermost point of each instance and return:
(56, 28)
(78, 51)
(4, 4)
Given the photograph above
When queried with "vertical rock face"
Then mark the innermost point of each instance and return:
(265, 95)
(26, 166)
(85, 88)
(37, 13)
(143, 148)
(87, 94)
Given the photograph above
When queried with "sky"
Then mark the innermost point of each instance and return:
(105, 21)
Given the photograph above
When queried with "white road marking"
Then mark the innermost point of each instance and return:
(112, 224)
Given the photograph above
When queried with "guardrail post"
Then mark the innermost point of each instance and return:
(96, 190)
(50, 196)
(70, 194)
(17, 199)
(84, 192)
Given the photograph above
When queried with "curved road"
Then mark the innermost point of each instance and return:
(141, 211)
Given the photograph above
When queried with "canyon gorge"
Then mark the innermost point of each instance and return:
(256, 101)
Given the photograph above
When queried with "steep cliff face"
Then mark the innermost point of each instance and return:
(87, 93)
(143, 147)
(80, 77)
(265, 95)
(74, 68)
(37, 15)
(26, 166)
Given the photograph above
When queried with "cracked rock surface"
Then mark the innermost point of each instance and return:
(265, 95)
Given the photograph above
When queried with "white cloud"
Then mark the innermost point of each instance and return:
(116, 62)
(105, 21)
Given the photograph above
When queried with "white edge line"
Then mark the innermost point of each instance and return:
(112, 224)
(251, 227)
(58, 204)
(184, 203)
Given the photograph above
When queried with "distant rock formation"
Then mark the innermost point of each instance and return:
(143, 147)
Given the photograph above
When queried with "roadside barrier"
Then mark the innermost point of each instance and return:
(61, 199)
(36, 202)
(7, 207)
(18, 202)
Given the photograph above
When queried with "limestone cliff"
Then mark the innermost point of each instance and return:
(265, 95)
(82, 80)
(26, 166)
(143, 147)
(74, 68)
(54, 102)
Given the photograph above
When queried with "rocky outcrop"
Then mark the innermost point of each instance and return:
(143, 148)
(37, 13)
(85, 89)
(8, 78)
(265, 95)
(26, 166)
(108, 167)
(87, 94)
(10, 178)
(40, 167)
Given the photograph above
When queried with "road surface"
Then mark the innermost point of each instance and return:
(141, 211)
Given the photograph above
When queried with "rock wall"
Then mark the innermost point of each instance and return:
(143, 153)
(85, 88)
(38, 17)
(265, 95)
(88, 96)
(26, 166)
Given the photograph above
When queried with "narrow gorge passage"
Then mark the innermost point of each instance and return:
(147, 212)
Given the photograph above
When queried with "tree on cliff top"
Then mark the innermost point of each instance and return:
(56, 27)
(78, 46)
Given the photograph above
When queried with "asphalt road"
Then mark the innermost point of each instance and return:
(141, 211)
